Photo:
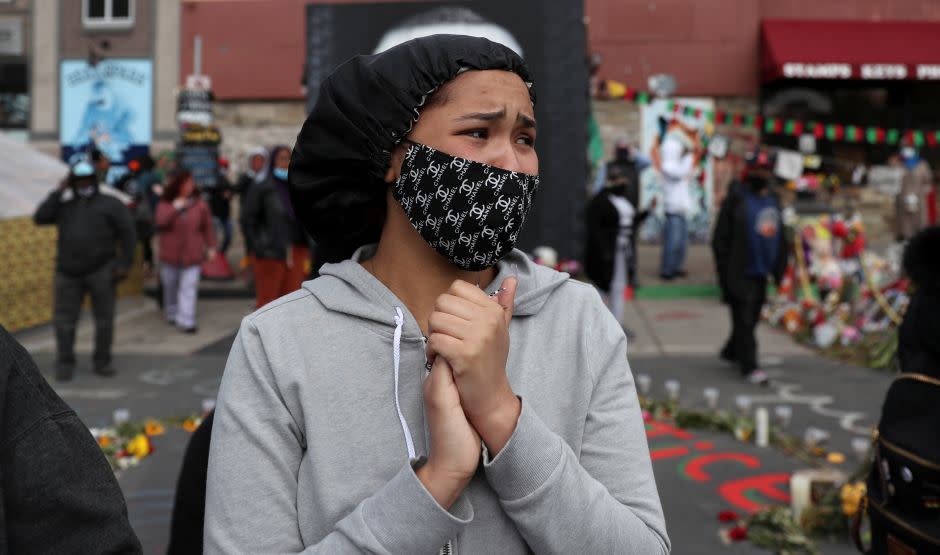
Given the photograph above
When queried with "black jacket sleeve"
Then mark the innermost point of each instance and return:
(59, 494)
(48, 211)
(722, 238)
(125, 233)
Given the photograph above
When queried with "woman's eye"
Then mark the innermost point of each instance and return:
(526, 140)
(476, 133)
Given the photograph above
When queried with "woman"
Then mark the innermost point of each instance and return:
(186, 239)
(277, 239)
(331, 436)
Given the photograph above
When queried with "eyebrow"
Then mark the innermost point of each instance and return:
(523, 119)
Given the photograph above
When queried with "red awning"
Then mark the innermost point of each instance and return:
(875, 50)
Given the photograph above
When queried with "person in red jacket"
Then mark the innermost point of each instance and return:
(186, 239)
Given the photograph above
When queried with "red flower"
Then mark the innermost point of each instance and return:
(728, 516)
(738, 533)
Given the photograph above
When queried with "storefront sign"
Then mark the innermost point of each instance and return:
(110, 105)
(872, 71)
(884, 71)
(928, 71)
(198, 152)
(194, 106)
(793, 70)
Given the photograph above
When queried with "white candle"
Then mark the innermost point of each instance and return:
(762, 426)
(783, 413)
(672, 389)
(644, 381)
(121, 416)
(711, 397)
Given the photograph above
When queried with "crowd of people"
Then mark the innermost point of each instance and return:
(158, 204)
(482, 447)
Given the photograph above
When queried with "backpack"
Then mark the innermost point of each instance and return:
(903, 499)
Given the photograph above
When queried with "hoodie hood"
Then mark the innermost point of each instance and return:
(348, 288)
(262, 174)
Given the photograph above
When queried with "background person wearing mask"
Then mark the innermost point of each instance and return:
(749, 245)
(186, 239)
(910, 216)
(278, 240)
(630, 163)
(91, 226)
(612, 219)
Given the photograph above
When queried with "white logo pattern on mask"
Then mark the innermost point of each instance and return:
(471, 213)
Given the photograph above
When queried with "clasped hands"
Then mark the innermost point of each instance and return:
(467, 395)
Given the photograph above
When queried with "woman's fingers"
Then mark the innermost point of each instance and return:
(470, 292)
(444, 345)
(454, 326)
(460, 307)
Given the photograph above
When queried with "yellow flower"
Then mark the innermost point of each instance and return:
(851, 495)
(153, 428)
(190, 424)
(835, 458)
(104, 441)
(139, 446)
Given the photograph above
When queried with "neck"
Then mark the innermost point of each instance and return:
(413, 270)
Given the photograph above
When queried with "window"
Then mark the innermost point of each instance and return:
(14, 95)
(107, 14)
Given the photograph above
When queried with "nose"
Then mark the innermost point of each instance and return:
(504, 155)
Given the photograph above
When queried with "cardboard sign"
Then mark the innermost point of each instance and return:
(789, 165)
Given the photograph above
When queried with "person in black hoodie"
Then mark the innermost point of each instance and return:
(919, 334)
(748, 245)
(279, 242)
(91, 225)
(612, 218)
(57, 492)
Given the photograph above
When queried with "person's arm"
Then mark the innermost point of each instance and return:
(724, 230)
(166, 215)
(275, 215)
(127, 235)
(48, 211)
(254, 460)
(59, 495)
(252, 216)
(603, 500)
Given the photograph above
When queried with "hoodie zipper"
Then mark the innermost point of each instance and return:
(448, 548)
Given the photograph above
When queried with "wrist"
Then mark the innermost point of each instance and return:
(444, 487)
(497, 425)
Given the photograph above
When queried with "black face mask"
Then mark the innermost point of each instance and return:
(758, 183)
(471, 213)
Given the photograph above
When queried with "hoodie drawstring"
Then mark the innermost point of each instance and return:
(396, 356)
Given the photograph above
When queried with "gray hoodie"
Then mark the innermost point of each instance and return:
(320, 424)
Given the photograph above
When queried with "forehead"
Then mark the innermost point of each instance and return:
(488, 89)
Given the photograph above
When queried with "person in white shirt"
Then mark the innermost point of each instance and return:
(676, 159)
